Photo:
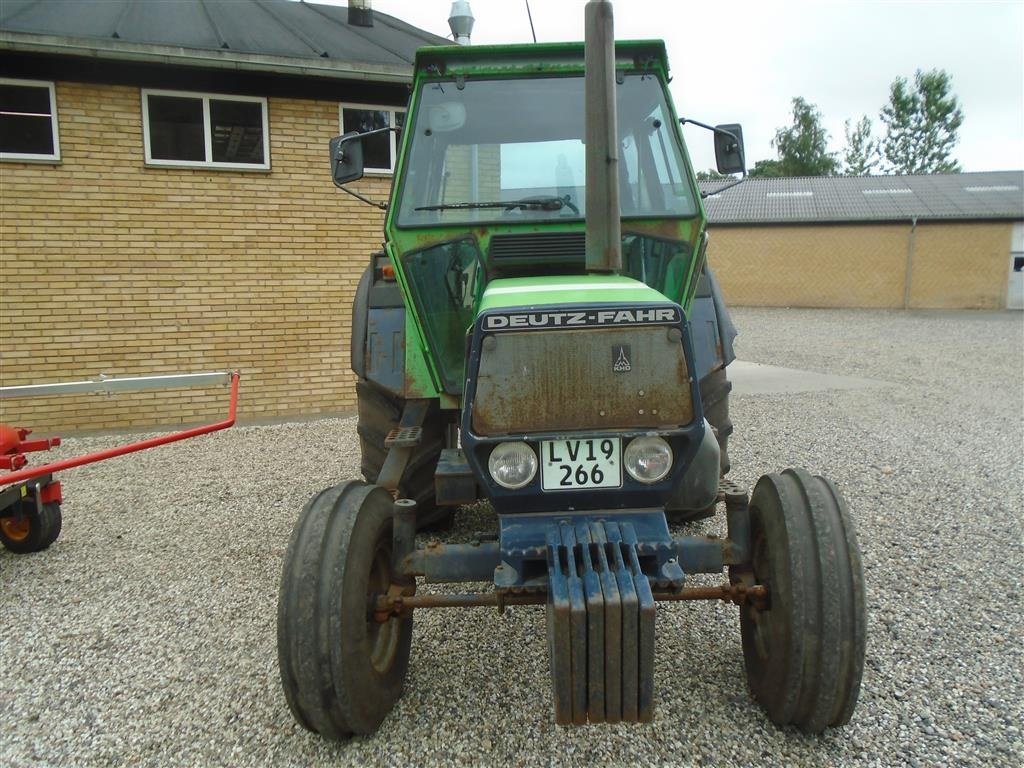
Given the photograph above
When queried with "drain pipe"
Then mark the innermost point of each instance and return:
(604, 233)
(908, 278)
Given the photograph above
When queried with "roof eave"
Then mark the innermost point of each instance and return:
(921, 219)
(194, 57)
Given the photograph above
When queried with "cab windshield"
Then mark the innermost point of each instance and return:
(512, 150)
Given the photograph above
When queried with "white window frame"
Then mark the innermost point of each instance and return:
(207, 131)
(392, 135)
(48, 84)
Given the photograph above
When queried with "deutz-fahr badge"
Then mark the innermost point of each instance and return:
(620, 358)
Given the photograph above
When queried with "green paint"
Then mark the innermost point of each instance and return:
(574, 289)
(435, 342)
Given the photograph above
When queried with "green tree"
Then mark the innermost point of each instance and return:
(921, 125)
(861, 155)
(712, 175)
(767, 169)
(802, 146)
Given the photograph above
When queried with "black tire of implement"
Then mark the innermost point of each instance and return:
(44, 528)
(804, 655)
(714, 395)
(325, 636)
(379, 413)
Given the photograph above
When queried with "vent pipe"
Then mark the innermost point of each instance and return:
(461, 21)
(604, 233)
(360, 13)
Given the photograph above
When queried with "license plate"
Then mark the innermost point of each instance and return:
(568, 465)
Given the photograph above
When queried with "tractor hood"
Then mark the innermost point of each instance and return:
(536, 292)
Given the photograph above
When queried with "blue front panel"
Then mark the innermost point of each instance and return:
(684, 441)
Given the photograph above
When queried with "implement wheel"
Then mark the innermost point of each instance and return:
(24, 528)
(804, 649)
(342, 671)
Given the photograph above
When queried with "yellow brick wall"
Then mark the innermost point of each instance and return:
(110, 266)
(961, 265)
(955, 265)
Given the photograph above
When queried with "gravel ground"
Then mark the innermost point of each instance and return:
(146, 634)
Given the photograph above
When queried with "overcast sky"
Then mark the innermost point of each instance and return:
(743, 61)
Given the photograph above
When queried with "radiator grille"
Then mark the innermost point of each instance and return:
(557, 245)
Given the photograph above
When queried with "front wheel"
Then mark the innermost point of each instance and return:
(25, 527)
(342, 671)
(804, 647)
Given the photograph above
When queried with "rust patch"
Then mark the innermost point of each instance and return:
(600, 378)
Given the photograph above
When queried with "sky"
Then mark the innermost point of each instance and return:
(744, 62)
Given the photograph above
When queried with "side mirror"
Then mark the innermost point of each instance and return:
(729, 156)
(346, 158)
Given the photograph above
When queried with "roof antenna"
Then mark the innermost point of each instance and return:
(530, 17)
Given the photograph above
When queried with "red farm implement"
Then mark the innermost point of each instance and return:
(30, 497)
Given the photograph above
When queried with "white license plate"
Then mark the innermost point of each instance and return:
(568, 465)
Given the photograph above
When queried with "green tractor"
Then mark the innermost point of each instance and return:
(542, 331)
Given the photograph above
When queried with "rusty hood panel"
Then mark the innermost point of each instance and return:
(568, 379)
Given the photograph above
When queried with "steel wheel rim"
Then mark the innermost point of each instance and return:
(761, 618)
(382, 636)
(16, 528)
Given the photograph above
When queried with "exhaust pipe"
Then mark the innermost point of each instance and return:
(604, 232)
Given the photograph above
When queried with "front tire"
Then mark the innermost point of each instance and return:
(27, 528)
(341, 670)
(803, 650)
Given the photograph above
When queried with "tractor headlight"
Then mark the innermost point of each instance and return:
(512, 465)
(648, 459)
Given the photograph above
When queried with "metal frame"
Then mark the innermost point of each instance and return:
(125, 385)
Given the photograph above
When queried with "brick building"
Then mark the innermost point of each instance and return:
(166, 205)
(949, 241)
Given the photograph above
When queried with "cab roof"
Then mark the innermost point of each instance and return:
(534, 59)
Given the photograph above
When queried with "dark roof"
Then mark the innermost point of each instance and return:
(273, 35)
(989, 195)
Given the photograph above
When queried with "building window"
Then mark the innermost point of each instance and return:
(380, 151)
(205, 130)
(28, 120)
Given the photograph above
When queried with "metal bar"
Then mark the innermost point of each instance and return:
(730, 593)
(559, 628)
(390, 475)
(403, 539)
(603, 233)
(109, 453)
(127, 384)
(445, 563)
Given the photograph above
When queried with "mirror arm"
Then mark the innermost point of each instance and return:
(368, 201)
(731, 135)
(356, 195)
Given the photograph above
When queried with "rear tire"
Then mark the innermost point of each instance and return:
(341, 670)
(380, 411)
(28, 529)
(803, 650)
(714, 395)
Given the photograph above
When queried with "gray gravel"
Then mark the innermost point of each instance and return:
(145, 635)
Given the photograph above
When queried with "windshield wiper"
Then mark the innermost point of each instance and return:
(538, 203)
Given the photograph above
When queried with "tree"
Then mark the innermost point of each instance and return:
(767, 169)
(802, 147)
(862, 154)
(921, 125)
(712, 175)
